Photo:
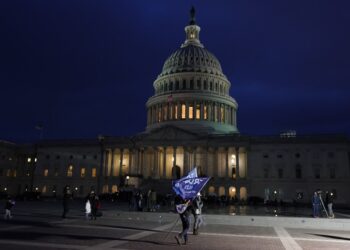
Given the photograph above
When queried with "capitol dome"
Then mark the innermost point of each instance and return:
(192, 92)
(192, 58)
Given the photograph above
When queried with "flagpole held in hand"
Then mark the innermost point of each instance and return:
(171, 229)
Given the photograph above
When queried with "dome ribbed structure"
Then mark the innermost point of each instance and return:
(192, 58)
(192, 91)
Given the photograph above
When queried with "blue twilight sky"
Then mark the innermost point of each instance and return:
(83, 68)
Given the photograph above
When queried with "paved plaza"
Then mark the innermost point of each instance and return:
(37, 225)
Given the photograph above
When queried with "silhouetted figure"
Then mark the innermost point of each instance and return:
(67, 197)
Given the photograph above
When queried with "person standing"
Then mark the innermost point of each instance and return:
(8, 206)
(183, 209)
(197, 208)
(67, 197)
(316, 203)
(329, 203)
(153, 200)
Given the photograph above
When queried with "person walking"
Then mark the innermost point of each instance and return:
(87, 208)
(95, 206)
(67, 197)
(8, 207)
(183, 209)
(197, 209)
(316, 203)
(329, 203)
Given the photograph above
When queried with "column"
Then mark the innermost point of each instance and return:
(237, 163)
(131, 151)
(206, 162)
(142, 153)
(164, 162)
(174, 164)
(185, 160)
(154, 170)
(215, 162)
(121, 163)
(201, 108)
(187, 110)
(174, 155)
(112, 163)
(194, 156)
(227, 163)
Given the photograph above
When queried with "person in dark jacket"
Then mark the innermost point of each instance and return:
(329, 203)
(95, 206)
(183, 209)
(8, 206)
(67, 197)
(316, 204)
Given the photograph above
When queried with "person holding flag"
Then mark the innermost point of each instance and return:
(186, 190)
(183, 209)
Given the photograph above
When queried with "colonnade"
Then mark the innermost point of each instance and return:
(226, 164)
(201, 110)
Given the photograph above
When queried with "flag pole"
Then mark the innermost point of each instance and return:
(171, 229)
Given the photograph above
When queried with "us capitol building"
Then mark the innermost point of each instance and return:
(191, 121)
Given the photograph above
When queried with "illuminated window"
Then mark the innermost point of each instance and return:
(14, 173)
(190, 111)
(198, 111)
(183, 111)
(222, 114)
(70, 171)
(46, 172)
(176, 112)
(8, 172)
(93, 172)
(192, 35)
(82, 172)
(205, 112)
(44, 189)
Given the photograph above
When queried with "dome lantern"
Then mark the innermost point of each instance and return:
(192, 32)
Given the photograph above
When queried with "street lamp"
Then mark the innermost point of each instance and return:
(127, 180)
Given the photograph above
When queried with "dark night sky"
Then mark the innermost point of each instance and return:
(83, 68)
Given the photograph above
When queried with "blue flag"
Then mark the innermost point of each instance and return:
(191, 174)
(188, 188)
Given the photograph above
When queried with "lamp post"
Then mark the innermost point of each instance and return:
(127, 179)
(100, 172)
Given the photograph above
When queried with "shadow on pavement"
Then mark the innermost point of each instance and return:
(331, 236)
(20, 235)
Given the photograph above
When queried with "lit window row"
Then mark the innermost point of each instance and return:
(215, 112)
